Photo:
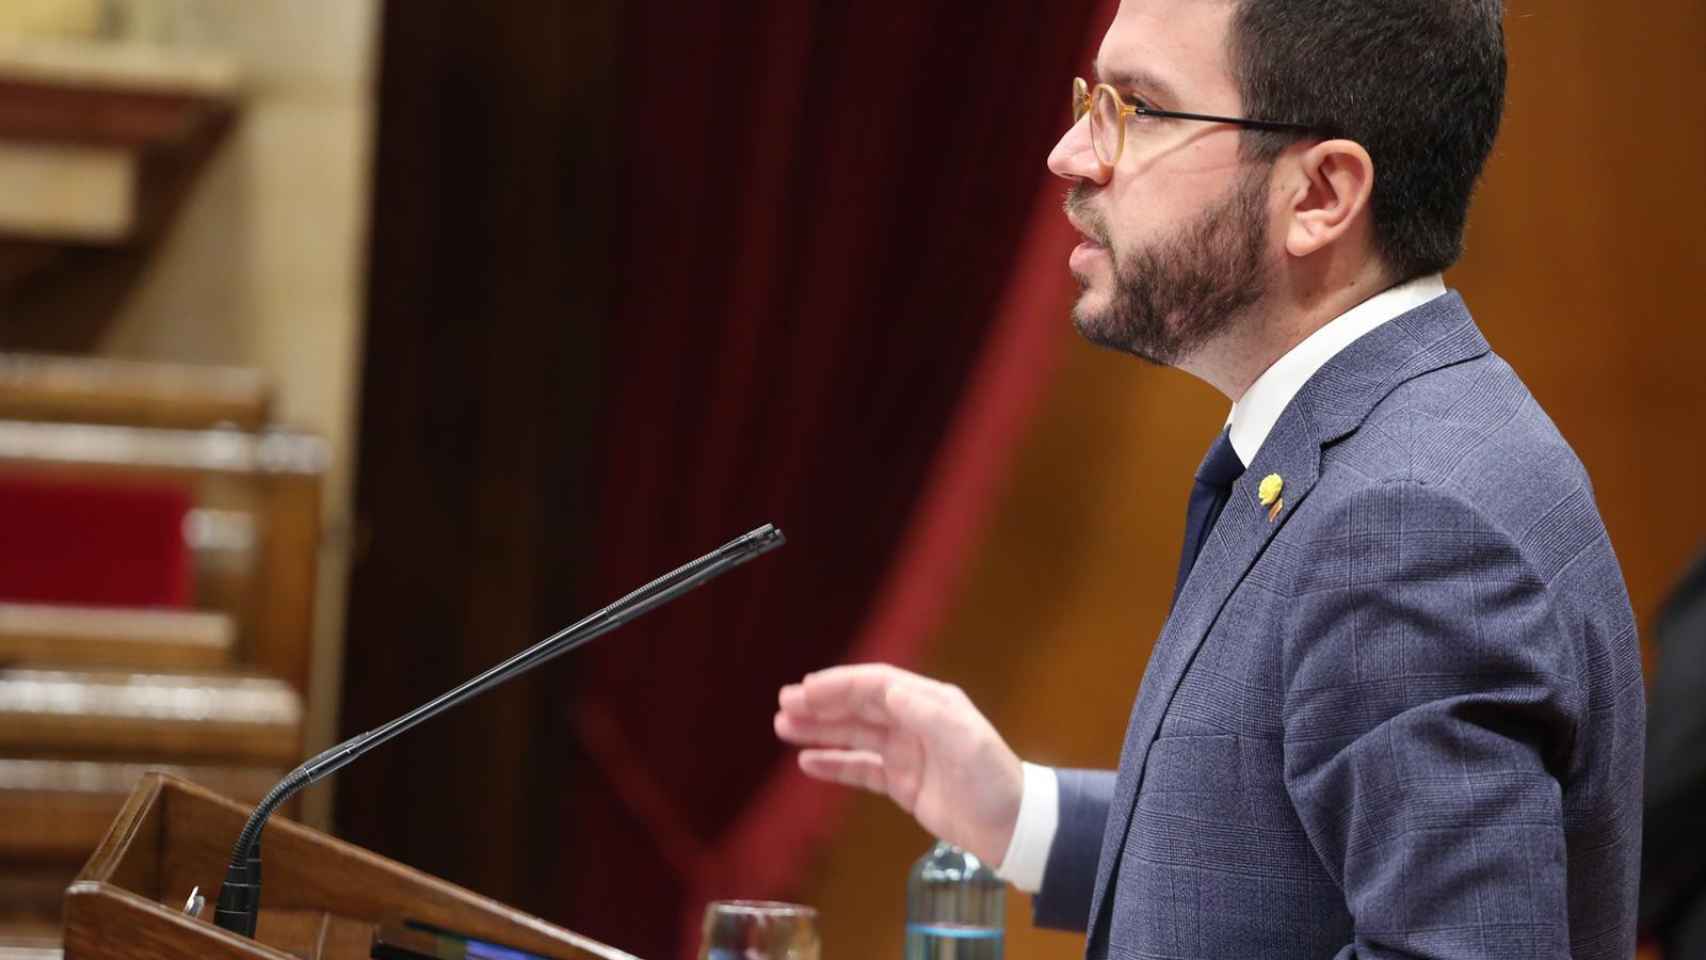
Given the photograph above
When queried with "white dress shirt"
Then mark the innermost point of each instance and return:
(1253, 417)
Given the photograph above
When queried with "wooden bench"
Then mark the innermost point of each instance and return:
(145, 639)
(92, 696)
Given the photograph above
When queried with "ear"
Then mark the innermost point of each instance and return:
(1335, 179)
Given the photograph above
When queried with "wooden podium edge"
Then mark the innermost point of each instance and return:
(101, 864)
(97, 902)
(92, 906)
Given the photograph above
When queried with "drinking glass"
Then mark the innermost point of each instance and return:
(759, 930)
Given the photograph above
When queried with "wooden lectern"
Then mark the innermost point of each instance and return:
(323, 898)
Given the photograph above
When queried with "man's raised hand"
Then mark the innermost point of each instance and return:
(920, 742)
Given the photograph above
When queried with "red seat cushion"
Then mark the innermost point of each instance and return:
(77, 542)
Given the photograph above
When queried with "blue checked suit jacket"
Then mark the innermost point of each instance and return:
(1403, 719)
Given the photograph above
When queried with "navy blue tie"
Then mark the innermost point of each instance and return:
(1219, 470)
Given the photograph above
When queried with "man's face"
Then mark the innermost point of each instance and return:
(1176, 234)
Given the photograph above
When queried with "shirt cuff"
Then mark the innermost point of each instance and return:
(1033, 834)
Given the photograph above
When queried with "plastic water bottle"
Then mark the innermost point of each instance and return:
(955, 907)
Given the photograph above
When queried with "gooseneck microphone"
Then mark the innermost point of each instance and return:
(240, 896)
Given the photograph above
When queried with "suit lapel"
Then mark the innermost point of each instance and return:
(1331, 405)
(1237, 539)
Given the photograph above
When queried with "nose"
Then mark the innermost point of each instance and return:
(1074, 157)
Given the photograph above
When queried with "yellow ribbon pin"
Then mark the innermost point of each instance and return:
(1269, 494)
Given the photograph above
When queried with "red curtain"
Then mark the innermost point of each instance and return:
(841, 276)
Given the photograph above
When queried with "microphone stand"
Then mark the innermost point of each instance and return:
(240, 895)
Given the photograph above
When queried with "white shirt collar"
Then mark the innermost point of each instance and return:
(1255, 413)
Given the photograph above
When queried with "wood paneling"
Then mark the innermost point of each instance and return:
(1585, 247)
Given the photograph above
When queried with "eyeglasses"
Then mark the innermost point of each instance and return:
(1108, 113)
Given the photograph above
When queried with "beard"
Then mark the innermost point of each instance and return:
(1181, 291)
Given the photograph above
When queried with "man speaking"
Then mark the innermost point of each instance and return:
(1396, 710)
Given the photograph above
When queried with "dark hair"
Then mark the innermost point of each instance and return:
(1419, 83)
